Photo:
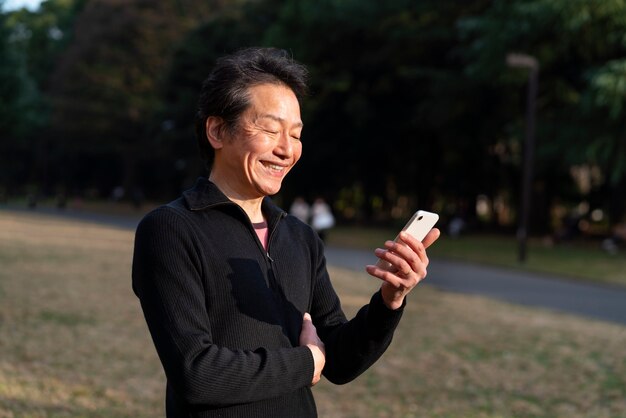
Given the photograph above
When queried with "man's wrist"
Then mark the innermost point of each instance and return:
(392, 300)
(395, 305)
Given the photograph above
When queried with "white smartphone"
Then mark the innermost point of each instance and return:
(418, 226)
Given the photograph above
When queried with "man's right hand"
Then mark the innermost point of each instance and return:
(309, 337)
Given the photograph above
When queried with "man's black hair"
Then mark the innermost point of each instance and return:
(225, 92)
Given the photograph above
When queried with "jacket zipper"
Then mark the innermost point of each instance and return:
(272, 281)
(270, 236)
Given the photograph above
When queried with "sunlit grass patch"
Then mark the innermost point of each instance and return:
(467, 356)
(73, 339)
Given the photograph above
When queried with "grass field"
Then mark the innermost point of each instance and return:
(73, 343)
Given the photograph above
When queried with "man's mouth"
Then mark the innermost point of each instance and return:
(274, 167)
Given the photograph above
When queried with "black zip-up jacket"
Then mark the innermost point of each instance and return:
(225, 315)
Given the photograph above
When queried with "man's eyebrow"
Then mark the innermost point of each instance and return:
(277, 119)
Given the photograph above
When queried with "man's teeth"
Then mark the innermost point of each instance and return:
(274, 167)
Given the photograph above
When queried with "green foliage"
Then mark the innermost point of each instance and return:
(411, 101)
(579, 45)
(10, 83)
(31, 42)
(107, 86)
(20, 105)
(384, 87)
(608, 86)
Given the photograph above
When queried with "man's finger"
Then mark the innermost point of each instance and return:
(431, 237)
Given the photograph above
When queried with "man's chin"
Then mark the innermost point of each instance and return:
(270, 190)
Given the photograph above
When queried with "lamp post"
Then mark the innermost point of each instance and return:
(532, 65)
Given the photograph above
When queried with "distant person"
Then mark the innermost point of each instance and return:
(117, 194)
(300, 209)
(616, 239)
(235, 291)
(322, 218)
(456, 226)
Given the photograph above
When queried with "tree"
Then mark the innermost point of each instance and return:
(106, 86)
(388, 97)
(20, 106)
(412, 104)
(580, 45)
(31, 43)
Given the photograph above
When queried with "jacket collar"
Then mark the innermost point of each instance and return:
(205, 194)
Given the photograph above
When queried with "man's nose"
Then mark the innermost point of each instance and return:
(285, 146)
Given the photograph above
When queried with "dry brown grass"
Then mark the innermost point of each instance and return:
(464, 356)
(73, 343)
(73, 338)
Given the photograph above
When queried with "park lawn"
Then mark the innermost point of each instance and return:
(73, 343)
(583, 260)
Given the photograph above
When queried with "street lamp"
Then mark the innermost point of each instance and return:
(532, 65)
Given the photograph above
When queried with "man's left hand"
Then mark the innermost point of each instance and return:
(408, 261)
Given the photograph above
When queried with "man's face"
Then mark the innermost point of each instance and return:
(265, 144)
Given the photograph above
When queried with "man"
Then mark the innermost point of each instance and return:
(235, 292)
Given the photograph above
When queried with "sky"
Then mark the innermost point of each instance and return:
(17, 4)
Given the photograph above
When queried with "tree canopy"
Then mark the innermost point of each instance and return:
(412, 104)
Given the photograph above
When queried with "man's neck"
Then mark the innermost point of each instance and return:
(252, 207)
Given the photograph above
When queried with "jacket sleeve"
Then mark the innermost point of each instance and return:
(167, 278)
(351, 346)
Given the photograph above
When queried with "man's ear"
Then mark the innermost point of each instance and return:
(214, 128)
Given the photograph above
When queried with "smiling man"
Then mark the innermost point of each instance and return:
(253, 157)
(235, 292)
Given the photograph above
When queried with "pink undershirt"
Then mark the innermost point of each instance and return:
(261, 231)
